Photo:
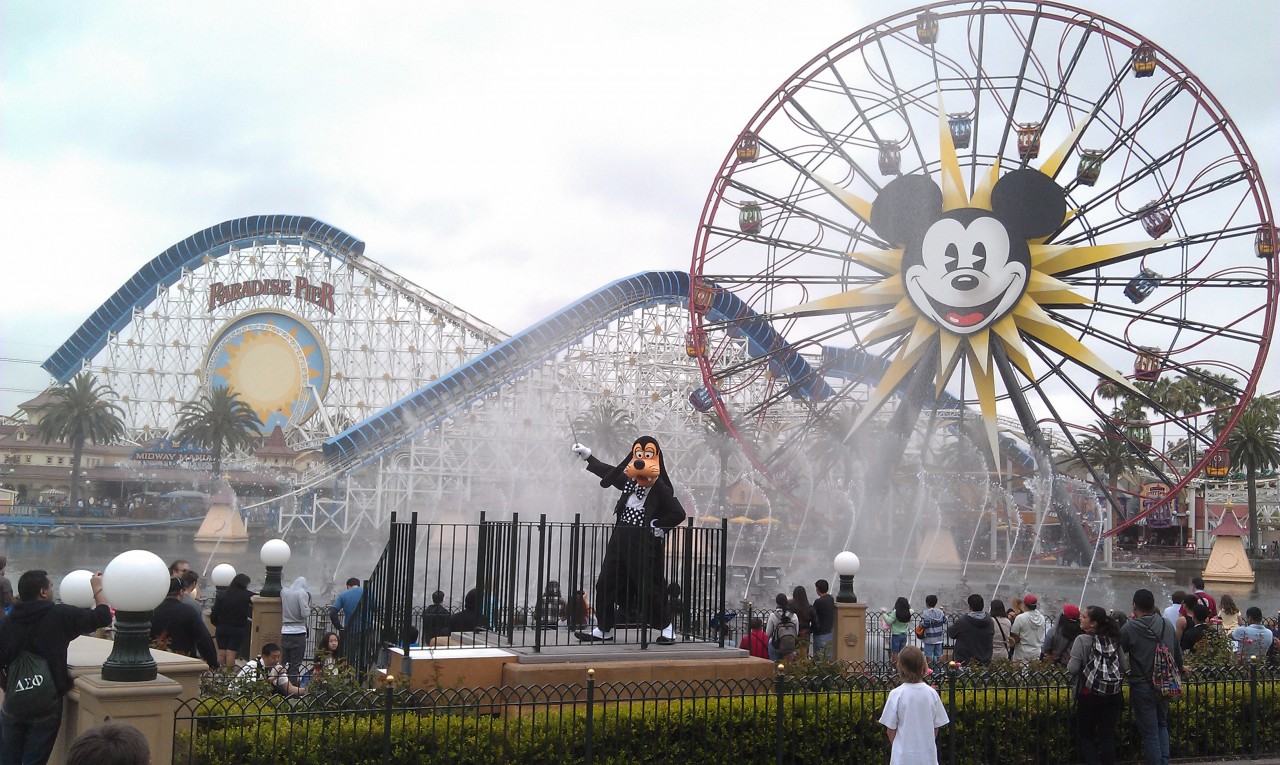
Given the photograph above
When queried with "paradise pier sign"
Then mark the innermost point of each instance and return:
(304, 289)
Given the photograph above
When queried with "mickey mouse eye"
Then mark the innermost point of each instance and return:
(952, 256)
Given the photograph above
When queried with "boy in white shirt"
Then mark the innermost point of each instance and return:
(913, 713)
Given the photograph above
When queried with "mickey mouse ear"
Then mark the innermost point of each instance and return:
(907, 206)
(1029, 202)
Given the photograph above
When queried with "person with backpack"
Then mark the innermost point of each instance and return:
(972, 634)
(783, 630)
(1099, 667)
(1155, 666)
(33, 664)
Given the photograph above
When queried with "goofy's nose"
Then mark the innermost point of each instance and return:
(638, 465)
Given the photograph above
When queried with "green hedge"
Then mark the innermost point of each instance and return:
(988, 726)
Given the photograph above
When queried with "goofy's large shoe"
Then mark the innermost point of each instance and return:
(667, 637)
(594, 636)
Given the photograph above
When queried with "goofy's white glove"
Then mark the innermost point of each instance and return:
(583, 452)
(658, 531)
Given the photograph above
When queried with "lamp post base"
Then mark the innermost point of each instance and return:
(130, 660)
(846, 594)
(271, 585)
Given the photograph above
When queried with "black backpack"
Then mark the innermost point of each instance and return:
(29, 689)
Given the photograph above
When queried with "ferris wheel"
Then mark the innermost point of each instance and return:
(984, 222)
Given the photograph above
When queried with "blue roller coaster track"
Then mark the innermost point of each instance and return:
(166, 269)
(427, 407)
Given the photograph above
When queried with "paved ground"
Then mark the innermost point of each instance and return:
(1264, 761)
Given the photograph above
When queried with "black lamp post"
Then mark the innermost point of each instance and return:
(135, 583)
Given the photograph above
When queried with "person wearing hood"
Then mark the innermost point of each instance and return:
(972, 634)
(1057, 648)
(38, 625)
(1028, 631)
(295, 607)
(1139, 637)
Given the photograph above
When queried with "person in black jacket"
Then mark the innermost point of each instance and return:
(972, 633)
(230, 617)
(180, 628)
(631, 571)
(38, 625)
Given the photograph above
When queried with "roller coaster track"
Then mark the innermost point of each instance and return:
(516, 356)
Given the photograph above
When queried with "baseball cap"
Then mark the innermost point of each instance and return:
(1071, 611)
(1030, 599)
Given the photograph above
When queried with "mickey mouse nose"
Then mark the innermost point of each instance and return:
(639, 465)
(965, 282)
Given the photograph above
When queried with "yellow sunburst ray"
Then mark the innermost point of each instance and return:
(950, 351)
(882, 293)
(982, 191)
(887, 262)
(953, 194)
(889, 381)
(980, 342)
(901, 317)
(984, 385)
(921, 333)
(1076, 258)
(1046, 290)
(1034, 321)
(1006, 330)
(1054, 161)
(852, 202)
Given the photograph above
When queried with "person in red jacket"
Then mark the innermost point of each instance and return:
(755, 641)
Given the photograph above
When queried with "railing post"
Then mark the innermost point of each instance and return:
(1253, 705)
(591, 714)
(724, 570)
(386, 724)
(951, 711)
(541, 605)
(779, 684)
(513, 559)
(686, 578)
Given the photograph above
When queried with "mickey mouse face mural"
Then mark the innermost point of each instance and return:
(966, 268)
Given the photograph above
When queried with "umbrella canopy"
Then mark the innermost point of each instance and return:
(770, 521)
(708, 519)
(740, 519)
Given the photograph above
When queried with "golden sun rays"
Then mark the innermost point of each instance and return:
(266, 369)
(1009, 330)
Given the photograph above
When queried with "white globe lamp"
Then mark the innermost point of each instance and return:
(275, 553)
(847, 565)
(76, 590)
(134, 582)
(222, 575)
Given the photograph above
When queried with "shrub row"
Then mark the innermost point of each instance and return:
(989, 726)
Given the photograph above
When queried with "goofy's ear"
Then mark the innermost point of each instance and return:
(906, 208)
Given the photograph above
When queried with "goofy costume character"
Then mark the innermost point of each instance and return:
(631, 572)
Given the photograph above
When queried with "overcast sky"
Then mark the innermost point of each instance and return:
(508, 156)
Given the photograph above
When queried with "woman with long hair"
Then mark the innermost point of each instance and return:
(1230, 614)
(803, 609)
(230, 616)
(1000, 648)
(326, 654)
(1099, 665)
(898, 622)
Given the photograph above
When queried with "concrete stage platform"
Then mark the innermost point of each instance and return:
(525, 675)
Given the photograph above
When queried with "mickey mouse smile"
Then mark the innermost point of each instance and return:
(967, 317)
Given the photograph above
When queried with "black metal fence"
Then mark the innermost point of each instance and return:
(519, 584)
(1011, 716)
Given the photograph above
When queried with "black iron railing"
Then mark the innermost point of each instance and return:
(1012, 716)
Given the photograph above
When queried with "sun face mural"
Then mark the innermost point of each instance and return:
(273, 361)
(967, 277)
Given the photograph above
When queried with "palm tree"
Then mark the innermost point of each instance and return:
(80, 411)
(219, 420)
(603, 427)
(1254, 444)
(1109, 451)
